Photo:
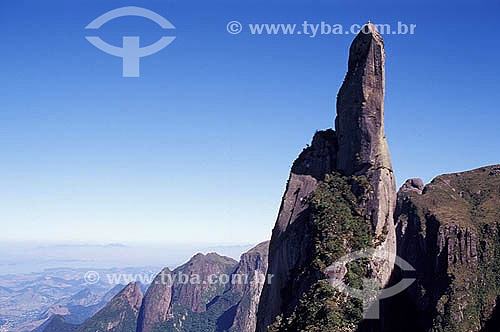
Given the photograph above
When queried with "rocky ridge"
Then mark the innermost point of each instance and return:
(449, 231)
(119, 315)
(183, 300)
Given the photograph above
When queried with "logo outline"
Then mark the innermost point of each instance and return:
(130, 51)
(371, 293)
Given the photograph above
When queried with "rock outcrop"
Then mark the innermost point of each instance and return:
(57, 323)
(195, 296)
(156, 303)
(450, 232)
(119, 315)
(181, 297)
(210, 293)
(363, 148)
(253, 264)
(289, 243)
(356, 151)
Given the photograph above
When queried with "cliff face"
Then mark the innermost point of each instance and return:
(177, 299)
(156, 303)
(195, 296)
(289, 243)
(361, 185)
(254, 265)
(185, 300)
(363, 146)
(450, 232)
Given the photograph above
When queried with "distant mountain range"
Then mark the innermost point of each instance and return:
(184, 299)
(29, 300)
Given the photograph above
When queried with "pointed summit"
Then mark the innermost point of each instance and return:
(354, 160)
(363, 148)
(360, 106)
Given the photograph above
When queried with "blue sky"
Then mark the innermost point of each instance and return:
(198, 149)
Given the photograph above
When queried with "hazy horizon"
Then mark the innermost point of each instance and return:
(36, 257)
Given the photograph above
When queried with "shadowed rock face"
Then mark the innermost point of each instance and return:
(358, 147)
(450, 232)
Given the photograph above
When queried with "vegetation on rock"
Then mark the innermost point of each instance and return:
(338, 227)
(451, 233)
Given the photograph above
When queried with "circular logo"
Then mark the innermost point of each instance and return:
(234, 27)
(92, 277)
